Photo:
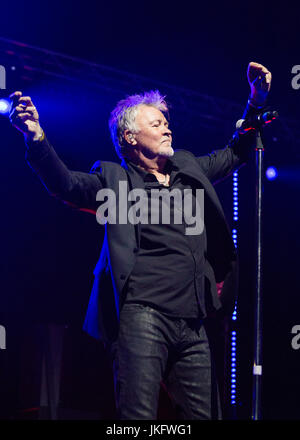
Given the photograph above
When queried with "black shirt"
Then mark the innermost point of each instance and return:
(169, 270)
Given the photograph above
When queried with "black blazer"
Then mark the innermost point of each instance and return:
(121, 242)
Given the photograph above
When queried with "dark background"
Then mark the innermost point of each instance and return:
(49, 251)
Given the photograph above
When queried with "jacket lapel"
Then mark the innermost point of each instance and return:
(134, 181)
(184, 165)
(190, 168)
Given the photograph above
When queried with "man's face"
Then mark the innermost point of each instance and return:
(154, 137)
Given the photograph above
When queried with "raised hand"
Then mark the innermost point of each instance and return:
(259, 78)
(24, 116)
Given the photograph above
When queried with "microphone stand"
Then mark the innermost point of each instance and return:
(257, 365)
(243, 125)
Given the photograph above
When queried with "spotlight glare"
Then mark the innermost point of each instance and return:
(4, 106)
(271, 173)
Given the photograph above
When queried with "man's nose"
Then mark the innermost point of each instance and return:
(167, 131)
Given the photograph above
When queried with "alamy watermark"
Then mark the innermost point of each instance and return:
(2, 338)
(187, 207)
(296, 78)
(295, 339)
(2, 77)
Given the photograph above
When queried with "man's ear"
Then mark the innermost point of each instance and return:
(129, 137)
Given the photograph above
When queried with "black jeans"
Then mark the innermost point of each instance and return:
(151, 348)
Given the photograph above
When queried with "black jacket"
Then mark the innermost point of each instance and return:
(121, 242)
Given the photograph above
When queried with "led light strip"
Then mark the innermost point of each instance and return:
(233, 366)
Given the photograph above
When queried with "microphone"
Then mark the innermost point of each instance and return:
(255, 122)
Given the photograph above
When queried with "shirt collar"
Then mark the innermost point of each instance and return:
(146, 176)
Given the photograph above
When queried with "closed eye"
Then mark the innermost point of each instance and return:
(159, 122)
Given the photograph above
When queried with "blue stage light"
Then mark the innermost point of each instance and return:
(4, 106)
(271, 173)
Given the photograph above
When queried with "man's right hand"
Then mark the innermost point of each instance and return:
(24, 116)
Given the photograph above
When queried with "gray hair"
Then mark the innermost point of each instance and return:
(123, 116)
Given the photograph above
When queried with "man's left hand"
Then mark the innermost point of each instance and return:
(259, 79)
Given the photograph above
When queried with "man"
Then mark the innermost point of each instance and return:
(154, 284)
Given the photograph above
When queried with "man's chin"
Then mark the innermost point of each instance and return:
(166, 151)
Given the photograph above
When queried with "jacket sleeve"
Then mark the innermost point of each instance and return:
(76, 189)
(221, 163)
